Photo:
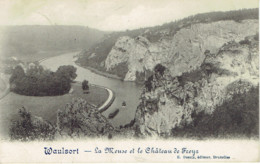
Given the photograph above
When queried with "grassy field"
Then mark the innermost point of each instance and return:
(45, 107)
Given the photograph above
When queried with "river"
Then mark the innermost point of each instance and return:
(124, 91)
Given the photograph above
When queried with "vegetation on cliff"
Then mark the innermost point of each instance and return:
(95, 57)
(78, 119)
(236, 117)
(29, 128)
(219, 99)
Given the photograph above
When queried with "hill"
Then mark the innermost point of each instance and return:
(218, 99)
(129, 54)
(34, 42)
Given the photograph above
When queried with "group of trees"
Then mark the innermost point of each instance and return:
(78, 118)
(36, 81)
(28, 128)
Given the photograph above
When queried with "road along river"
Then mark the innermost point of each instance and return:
(123, 91)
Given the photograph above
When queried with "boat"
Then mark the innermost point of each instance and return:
(113, 114)
(124, 104)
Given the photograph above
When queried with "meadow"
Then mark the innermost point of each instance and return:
(46, 106)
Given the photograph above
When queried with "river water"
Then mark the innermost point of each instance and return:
(124, 91)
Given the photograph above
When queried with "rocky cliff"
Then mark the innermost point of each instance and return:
(169, 102)
(182, 52)
(80, 119)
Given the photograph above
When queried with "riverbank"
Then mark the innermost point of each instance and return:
(106, 104)
(47, 106)
(109, 101)
(105, 74)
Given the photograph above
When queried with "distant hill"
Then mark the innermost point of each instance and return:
(27, 41)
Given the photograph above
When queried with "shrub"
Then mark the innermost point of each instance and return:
(236, 117)
(159, 68)
(148, 84)
(85, 85)
(27, 128)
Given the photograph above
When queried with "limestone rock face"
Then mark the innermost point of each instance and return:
(181, 53)
(171, 101)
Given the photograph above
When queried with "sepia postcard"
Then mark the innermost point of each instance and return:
(129, 81)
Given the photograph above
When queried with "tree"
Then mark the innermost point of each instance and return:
(37, 81)
(79, 118)
(85, 86)
(17, 74)
(67, 71)
(28, 128)
(159, 68)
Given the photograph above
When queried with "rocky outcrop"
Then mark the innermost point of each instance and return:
(80, 119)
(181, 53)
(170, 101)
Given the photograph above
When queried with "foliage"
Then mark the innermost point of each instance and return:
(153, 34)
(235, 117)
(142, 76)
(85, 85)
(148, 83)
(39, 82)
(18, 73)
(67, 71)
(245, 41)
(25, 129)
(81, 119)
(120, 70)
(159, 68)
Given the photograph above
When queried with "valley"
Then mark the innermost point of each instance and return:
(195, 78)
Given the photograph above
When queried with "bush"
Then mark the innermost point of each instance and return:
(25, 129)
(159, 69)
(237, 117)
(85, 85)
(245, 41)
(148, 84)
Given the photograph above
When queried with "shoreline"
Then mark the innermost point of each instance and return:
(105, 74)
(109, 101)
(111, 95)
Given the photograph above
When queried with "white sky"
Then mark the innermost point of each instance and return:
(109, 14)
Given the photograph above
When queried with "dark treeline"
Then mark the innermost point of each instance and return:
(36, 81)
